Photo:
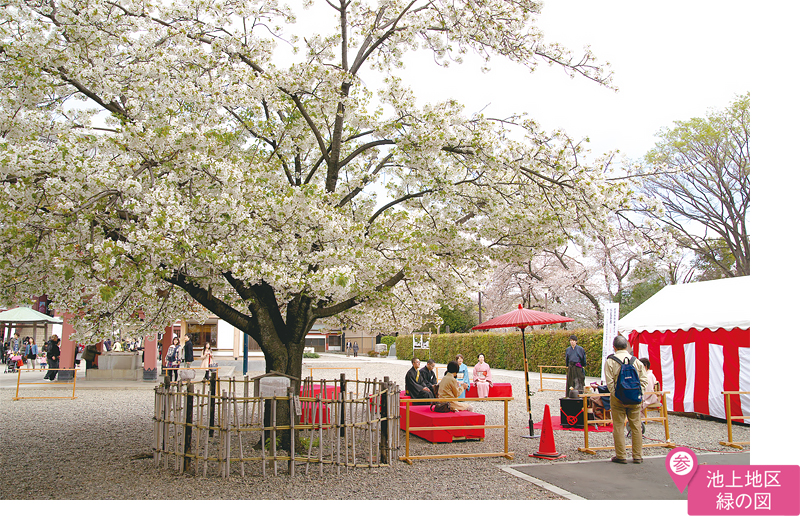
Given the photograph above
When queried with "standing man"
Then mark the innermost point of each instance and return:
(188, 351)
(53, 354)
(619, 410)
(428, 376)
(355, 349)
(576, 361)
(415, 386)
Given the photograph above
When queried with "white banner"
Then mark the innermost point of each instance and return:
(610, 321)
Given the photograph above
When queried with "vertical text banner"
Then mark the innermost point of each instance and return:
(609, 332)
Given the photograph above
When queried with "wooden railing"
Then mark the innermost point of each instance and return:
(408, 458)
(542, 377)
(729, 418)
(39, 371)
(662, 418)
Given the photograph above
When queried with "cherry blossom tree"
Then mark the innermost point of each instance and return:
(167, 159)
(579, 278)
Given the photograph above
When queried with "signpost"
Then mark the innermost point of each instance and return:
(610, 320)
(421, 342)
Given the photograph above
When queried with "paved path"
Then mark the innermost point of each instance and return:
(583, 480)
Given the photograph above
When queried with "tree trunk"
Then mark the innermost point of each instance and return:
(283, 353)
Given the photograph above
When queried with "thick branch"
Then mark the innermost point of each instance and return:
(357, 300)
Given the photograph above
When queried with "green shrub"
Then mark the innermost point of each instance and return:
(388, 340)
(310, 355)
(504, 350)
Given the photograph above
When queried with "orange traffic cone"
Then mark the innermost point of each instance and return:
(547, 441)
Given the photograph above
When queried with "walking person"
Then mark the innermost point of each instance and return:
(207, 360)
(173, 359)
(53, 354)
(620, 410)
(355, 349)
(31, 352)
(188, 351)
(576, 366)
(15, 343)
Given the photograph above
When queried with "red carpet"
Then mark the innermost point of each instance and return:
(557, 426)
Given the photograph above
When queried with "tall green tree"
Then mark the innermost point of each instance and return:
(701, 174)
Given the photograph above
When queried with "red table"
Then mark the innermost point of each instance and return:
(497, 390)
(310, 409)
(422, 415)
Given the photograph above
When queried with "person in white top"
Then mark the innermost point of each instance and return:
(650, 400)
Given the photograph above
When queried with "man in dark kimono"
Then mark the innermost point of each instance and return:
(428, 376)
(414, 386)
(576, 362)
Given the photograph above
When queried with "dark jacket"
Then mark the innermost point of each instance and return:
(414, 386)
(428, 377)
(188, 351)
(53, 351)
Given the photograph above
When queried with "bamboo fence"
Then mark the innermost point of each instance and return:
(202, 427)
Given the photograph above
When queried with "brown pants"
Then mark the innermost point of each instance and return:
(633, 413)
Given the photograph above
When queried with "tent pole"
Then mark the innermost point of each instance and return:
(527, 387)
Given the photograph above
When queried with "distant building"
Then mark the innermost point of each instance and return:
(227, 341)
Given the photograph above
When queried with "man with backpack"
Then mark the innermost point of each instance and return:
(627, 380)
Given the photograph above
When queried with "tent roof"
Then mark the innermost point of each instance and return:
(715, 304)
(25, 315)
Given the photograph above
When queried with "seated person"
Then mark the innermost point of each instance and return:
(428, 376)
(650, 400)
(414, 386)
(463, 375)
(483, 376)
(449, 387)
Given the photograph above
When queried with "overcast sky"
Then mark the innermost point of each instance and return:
(671, 61)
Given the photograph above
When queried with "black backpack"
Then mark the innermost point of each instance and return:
(628, 389)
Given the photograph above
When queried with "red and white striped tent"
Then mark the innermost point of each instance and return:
(697, 337)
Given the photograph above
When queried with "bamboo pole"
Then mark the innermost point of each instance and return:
(273, 435)
(156, 427)
(319, 421)
(339, 418)
(310, 441)
(292, 410)
(238, 429)
(263, 440)
(187, 440)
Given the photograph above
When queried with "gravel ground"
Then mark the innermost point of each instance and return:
(93, 448)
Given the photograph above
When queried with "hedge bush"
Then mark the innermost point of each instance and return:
(388, 340)
(504, 350)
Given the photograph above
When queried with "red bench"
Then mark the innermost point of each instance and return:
(497, 390)
(422, 415)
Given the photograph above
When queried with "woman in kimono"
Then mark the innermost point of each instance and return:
(483, 376)
(449, 387)
(463, 375)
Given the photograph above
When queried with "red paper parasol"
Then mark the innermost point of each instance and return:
(520, 318)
